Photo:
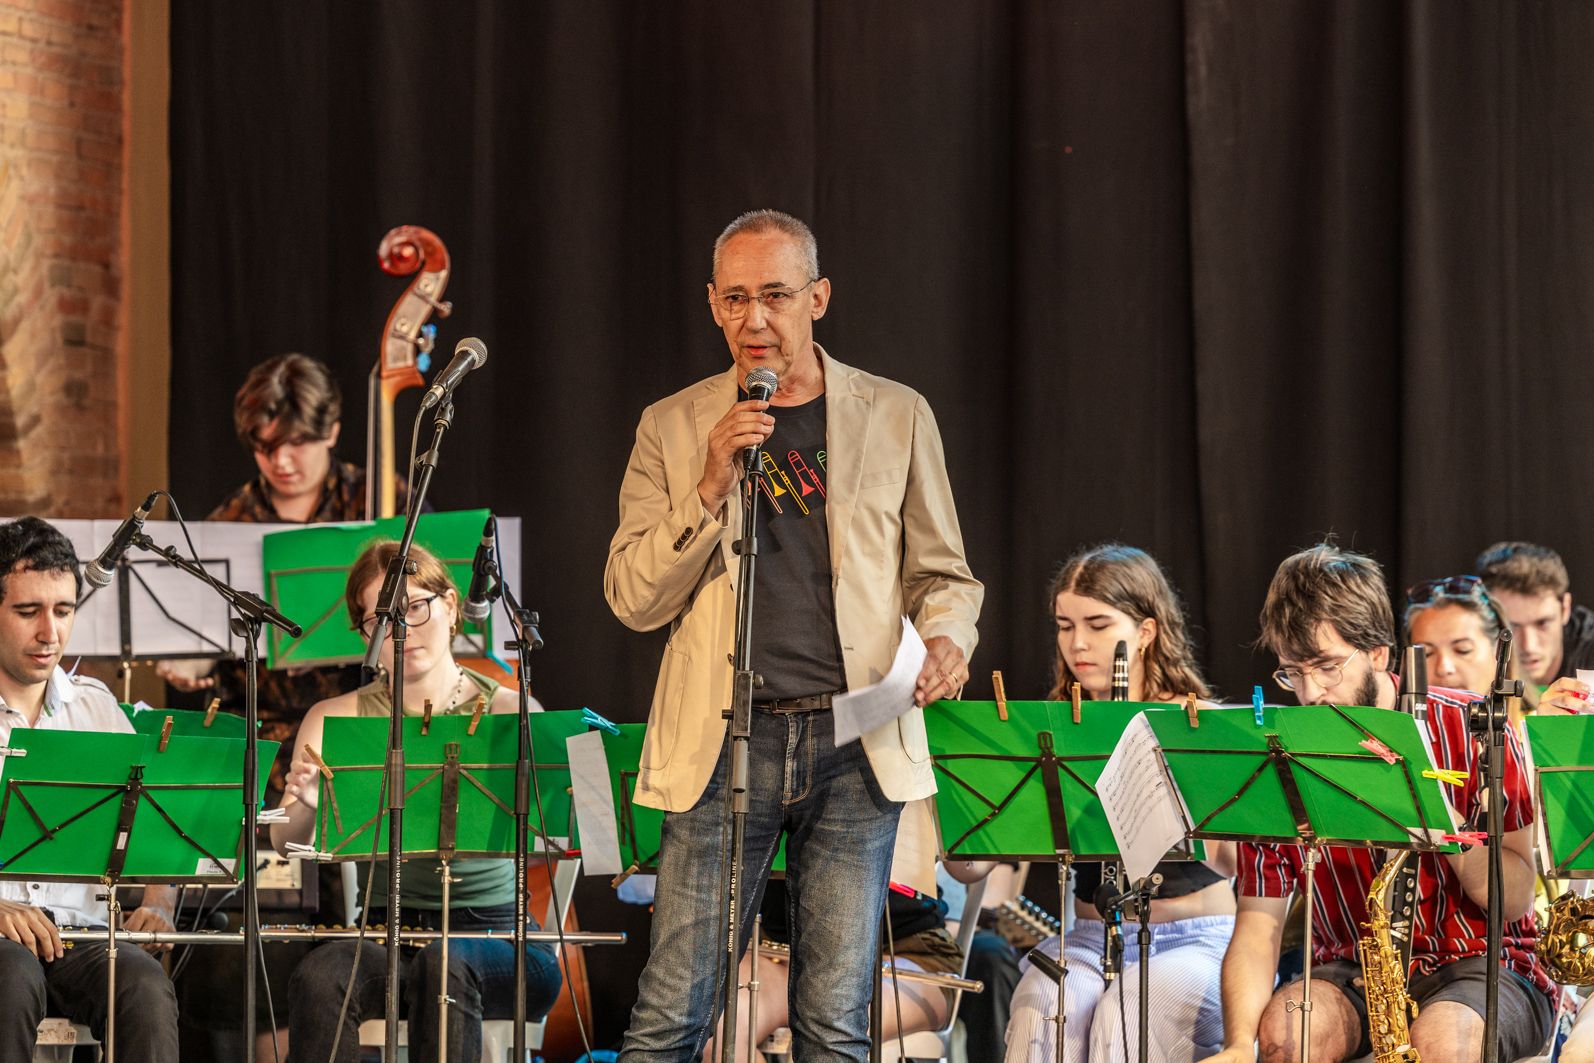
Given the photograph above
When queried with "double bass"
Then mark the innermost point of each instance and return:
(407, 340)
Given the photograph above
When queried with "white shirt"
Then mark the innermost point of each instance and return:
(71, 703)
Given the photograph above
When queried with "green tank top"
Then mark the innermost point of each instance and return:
(478, 883)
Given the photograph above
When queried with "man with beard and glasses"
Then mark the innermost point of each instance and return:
(1328, 620)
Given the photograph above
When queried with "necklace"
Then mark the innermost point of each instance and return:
(459, 685)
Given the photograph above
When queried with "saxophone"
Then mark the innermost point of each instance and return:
(1389, 1010)
(1566, 942)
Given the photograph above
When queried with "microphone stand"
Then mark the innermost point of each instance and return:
(392, 608)
(1489, 719)
(741, 730)
(1141, 899)
(252, 613)
(527, 639)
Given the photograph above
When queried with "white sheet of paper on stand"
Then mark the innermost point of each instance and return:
(1145, 810)
(858, 711)
(589, 789)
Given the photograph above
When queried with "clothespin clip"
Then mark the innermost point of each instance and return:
(315, 758)
(614, 883)
(476, 715)
(1001, 695)
(426, 716)
(592, 719)
(1452, 776)
(210, 711)
(1378, 749)
(1466, 837)
(1073, 696)
(272, 815)
(12, 751)
(1191, 711)
(1256, 707)
(166, 735)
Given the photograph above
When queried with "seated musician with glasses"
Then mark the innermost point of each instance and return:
(480, 972)
(1328, 620)
(39, 588)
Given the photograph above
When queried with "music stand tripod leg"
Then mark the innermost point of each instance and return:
(114, 912)
(1305, 1005)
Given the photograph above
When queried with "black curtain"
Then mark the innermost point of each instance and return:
(1213, 278)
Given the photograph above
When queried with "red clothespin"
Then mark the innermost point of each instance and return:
(476, 717)
(210, 711)
(1073, 696)
(1191, 711)
(426, 716)
(1001, 695)
(166, 735)
(1378, 749)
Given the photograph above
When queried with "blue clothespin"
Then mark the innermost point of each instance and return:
(1256, 705)
(592, 719)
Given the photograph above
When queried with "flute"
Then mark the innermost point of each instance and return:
(305, 933)
(778, 953)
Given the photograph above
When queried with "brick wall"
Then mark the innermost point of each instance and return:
(61, 180)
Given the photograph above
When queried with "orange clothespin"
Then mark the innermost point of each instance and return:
(1073, 696)
(166, 735)
(426, 716)
(1001, 695)
(1190, 710)
(476, 717)
(210, 711)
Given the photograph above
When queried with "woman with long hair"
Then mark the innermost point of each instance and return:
(1101, 596)
(480, 971)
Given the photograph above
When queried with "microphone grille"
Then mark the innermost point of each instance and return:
(762, 377)
(475, 346)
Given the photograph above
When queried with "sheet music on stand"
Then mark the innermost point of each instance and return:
(169, 614)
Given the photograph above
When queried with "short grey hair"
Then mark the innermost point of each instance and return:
(762, 221)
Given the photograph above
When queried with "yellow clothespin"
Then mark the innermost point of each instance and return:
(426, 716)
(476, 717)
(210, 711)
(166, 735)
(1001, 695)
(1453, 776)
(1191, 711)
(1073, 696)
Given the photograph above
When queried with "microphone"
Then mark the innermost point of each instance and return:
(484, 585)
(1502, 659)
(1120, 671)
(102, 569)
(470, 353)
(761, 384)
(1413, 696)
(1109, 902)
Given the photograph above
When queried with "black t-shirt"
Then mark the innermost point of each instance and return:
(795, 647)
(1179, 878)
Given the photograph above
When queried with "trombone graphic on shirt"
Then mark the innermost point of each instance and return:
(802, 480)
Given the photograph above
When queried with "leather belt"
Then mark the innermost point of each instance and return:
(789, 706)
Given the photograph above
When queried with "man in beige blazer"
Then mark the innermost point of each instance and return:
(857, 528)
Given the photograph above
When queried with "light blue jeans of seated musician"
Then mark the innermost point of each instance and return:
(840, 833)
(1185, 1010)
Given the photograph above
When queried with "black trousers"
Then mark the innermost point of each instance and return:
(74, 987)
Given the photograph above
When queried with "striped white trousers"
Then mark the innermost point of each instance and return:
(1186, 1008)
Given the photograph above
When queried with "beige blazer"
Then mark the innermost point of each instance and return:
(895, 550)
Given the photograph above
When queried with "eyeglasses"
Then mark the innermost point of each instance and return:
(418, 613)
(1468, 588)
(1326, 676)
(773, 300)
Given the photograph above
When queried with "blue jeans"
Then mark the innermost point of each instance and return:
(481, 979)
(840, 833)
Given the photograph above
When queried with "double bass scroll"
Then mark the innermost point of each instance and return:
(405, 250)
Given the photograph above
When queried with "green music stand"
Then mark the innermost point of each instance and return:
(93, 806)
(1304, 776)
(188, 722)
(307, 569)
(1563, 752)
(459, 787)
